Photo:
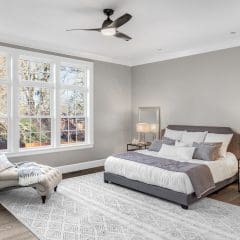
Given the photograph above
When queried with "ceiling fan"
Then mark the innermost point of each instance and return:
(110, 27)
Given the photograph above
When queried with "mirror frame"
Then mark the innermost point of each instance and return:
(155, 109)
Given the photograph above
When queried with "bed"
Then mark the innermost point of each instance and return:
(174, 186)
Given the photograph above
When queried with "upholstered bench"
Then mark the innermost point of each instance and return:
(51, 178)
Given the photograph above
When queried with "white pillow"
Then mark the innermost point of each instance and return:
(169, 151)
(191, 137)
(185, 152)
(173, 134)
(183, 144)
(225, 139)
(4, 163)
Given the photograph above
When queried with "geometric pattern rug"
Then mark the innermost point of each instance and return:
(86, 208)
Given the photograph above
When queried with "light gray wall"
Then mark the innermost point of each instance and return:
(112, 117)
(199, 90)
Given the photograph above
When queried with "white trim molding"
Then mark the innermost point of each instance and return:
(81, 166)
(47, 48)
(54, 49)
(168, 55)
(45, 150)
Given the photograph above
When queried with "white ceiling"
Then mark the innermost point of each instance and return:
(178, 27)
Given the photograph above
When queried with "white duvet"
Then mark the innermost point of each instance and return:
(221, 169)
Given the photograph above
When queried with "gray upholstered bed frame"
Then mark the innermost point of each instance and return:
(177, 197)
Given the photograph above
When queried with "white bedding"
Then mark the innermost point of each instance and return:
(221, 169)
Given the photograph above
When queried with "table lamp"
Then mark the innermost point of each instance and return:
(142, 129)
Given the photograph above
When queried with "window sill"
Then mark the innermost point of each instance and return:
(45, 150)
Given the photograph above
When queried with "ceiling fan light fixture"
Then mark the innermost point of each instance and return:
(108, 31)
(110, 27)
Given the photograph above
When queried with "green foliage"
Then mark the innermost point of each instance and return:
(3, 67)
(30, 132)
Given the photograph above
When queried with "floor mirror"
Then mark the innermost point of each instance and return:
(148, 125)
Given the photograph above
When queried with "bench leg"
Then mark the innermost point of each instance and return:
(55, 189)
(43, 199)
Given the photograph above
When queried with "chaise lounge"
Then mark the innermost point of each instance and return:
(51, 178)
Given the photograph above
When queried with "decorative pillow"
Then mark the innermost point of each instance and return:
(225, 139)
(173, 134)
(207, 151)
(169, 151)
(190, 137)
(4, 163)
(157, 144)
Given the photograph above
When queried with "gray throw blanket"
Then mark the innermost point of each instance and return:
(29, 173)
(199, 174)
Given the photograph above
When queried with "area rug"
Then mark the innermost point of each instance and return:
(86, 208)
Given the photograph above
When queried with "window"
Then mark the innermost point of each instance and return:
(35, 106)
(51, 107)
(73, 101)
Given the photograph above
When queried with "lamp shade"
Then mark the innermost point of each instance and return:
(142, 127)
(153, 128)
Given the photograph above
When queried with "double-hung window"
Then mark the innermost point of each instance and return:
(35, 110)
(73, 103)
(45, 102)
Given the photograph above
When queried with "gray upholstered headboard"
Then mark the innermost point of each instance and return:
(234, 146)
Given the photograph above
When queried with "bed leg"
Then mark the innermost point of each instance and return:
(43, 199)
(106, 181)
(185, 207)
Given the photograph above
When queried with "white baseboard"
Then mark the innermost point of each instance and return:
(81, 166)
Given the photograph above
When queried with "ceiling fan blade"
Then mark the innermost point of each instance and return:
(86, 29)
(122, 36)
(120, 21)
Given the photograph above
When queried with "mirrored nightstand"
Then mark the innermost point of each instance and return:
(134, 147)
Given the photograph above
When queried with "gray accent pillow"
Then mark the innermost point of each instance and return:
(207, 151)
(4, 163)
(157, 144)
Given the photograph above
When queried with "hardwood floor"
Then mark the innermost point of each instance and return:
(12, 229)
(83, 172)
(228, 194)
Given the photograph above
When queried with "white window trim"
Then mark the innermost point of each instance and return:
(7, 82)
(13, 141)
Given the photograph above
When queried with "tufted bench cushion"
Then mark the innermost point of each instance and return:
(52, 177)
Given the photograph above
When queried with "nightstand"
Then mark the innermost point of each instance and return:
(140, 146)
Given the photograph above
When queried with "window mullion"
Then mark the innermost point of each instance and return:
(36, 84)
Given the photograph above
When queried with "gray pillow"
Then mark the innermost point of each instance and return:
(157, 144)
(207, 151)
